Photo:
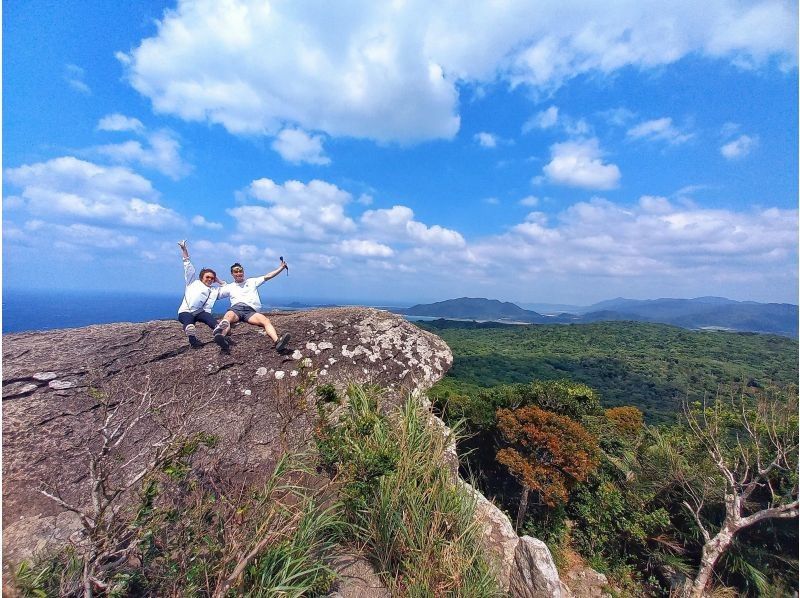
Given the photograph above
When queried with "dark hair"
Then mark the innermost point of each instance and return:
(205, 271)
(236, 265)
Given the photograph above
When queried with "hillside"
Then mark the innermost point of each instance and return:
(650, 366)
(474, 308)
(698, 313)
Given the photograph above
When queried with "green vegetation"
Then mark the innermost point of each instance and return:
(648, 514)
(191, 531)
(649, 366)
(415, 521)
(198, 535)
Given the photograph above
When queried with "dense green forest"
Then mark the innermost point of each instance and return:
(627, 443)
(650, 366)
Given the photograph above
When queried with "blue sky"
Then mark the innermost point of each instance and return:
(404, 151)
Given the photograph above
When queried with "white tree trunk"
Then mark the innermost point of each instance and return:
(712, 550)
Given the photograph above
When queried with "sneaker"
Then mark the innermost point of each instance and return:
(282, 342)
(222, 342)
(195, 342)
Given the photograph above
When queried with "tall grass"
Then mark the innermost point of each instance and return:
(413, 519)
(194, 536)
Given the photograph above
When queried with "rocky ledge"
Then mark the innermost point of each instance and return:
(248, 398)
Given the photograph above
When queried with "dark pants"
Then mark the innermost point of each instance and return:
(186, 318)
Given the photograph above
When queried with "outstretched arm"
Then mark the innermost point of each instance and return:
(276, 271)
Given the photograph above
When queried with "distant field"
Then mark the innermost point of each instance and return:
(650, 366)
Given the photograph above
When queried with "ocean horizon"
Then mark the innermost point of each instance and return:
(30, 311)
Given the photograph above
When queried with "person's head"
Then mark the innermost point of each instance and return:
(237, 271)
(207, 276)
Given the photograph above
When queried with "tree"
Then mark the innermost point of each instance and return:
(741, 454)
(140, 428)
(546, 452)
(628, 421)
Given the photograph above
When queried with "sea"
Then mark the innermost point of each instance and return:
(25, 310)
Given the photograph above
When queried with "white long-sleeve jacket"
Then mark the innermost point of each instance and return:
(197, 297)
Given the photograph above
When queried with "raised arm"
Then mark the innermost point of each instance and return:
(188, 267)
(276, 271)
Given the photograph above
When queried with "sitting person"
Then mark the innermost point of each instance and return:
(245, 306)
(198, 298)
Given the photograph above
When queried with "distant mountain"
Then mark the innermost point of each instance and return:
(701, 312)
(475, 309)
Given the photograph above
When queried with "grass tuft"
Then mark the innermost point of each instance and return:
(416, 523)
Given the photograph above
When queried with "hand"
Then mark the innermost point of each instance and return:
(182, 244)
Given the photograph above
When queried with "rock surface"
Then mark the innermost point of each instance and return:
(247, 398)
(534, 573)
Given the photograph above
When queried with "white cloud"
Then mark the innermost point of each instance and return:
(365, 199)
(492, 201)
(660, 129)
(74, 189)
(162, 154)
(120, 122)
(313, 211)
(397, 223)
(296, 146)
(655, 204)
(529, 201)
(392, 71)
(80, 235)
(739, 147)
(486, 139)
(545, 119)
(729, 129)
(364, 248)
(202, 222)
(649, 240)
(579, 164)
(75, 76)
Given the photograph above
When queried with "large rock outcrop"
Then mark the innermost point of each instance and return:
(248, 399)
(51, 380)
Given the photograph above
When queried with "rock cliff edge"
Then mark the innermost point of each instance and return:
(248, 399)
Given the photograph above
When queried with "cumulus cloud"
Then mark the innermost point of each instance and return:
(655, 204)
(545, 119)
(579, 164)
(650, 239)
(75, 76)
(659, 129)
(162, 154)
(69, 188)
(296, 146)
(392, 71)
(398, 223)
(364, 248)
(313, 211)
(739, 147)
(202, 222)
(529, 201)
(120, 122)
(486, 139)
(80, 235)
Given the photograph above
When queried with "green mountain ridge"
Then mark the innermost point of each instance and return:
(697, 313)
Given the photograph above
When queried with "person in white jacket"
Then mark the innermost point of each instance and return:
(246, 306)
(198, 298)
